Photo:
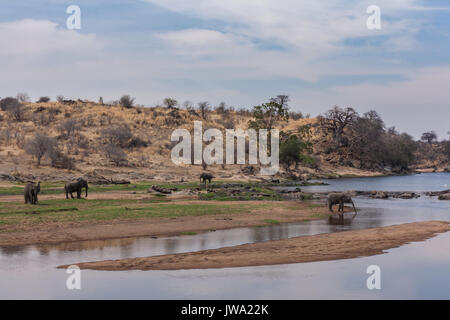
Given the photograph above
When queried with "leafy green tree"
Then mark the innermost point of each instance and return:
(267, 115)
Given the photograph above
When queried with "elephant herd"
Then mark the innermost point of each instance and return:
(31, 190)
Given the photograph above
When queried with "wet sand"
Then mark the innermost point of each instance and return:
(334, 246)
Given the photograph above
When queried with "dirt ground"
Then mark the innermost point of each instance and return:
(342, 245)
(287, 211)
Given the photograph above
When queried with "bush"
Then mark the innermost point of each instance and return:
(116, 155)
(60, 160)
(68, 128)
(119, 136)
(43, 100)
(126, 101)
(9, 102)
(17, 112)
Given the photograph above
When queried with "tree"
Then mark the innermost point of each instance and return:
(204, 108)
(295, 148)
(267, 115)
(23, 97)
(221, 108)
(170, 103)
(282, 100)
(429, 137)
(365, 141)
(60, 98)
(126, 101)
(39, 146)
(336, 120)
(68, 128)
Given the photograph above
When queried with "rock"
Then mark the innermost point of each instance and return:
(437, 193)
(445, 196)
(161, 190)
(380, 195)
(406, 195)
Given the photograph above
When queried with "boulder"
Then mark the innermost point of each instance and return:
(445, 196)
(406, 195)
(380, 195)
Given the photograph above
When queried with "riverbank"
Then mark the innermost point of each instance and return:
(334, 246)
(59, 221)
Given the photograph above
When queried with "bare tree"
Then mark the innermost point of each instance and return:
(68, 128)
(39, 146)
(119, 136)
(336, 120)
(23, 97)
(204, 109)
(282, 100)
(115, 154)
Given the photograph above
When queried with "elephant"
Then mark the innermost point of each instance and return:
(76, 186)
(206, 176)
(339, 198)
(30, 192)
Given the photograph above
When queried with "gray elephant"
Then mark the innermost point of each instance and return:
(206, 176)
(30, 193)
(339, 198)
(76, 187)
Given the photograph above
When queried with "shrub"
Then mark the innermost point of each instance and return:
(126, 101)
(17, 112)
(43, 100)
(116, 155)
(68, 128)
(119, 136)
(8, 103)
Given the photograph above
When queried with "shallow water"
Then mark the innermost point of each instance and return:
(417, 270)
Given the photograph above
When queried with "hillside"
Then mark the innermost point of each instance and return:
(82, 132)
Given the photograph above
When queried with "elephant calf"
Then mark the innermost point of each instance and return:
(76, 186)
(30, 192)
(339, 198)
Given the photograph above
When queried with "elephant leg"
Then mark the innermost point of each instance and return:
(67, 195)
(78, 194)
(71, 195)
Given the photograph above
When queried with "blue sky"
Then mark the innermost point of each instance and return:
(238, 51)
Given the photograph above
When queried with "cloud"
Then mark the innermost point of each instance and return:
(35, 39)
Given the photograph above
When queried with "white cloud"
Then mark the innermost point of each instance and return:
(34, 39)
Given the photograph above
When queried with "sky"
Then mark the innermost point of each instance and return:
(242, 52)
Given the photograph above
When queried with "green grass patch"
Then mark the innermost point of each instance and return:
(188, 233)
(271, 221)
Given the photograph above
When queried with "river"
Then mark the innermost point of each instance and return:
(414, 271)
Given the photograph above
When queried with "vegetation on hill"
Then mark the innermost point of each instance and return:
(82, 135)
